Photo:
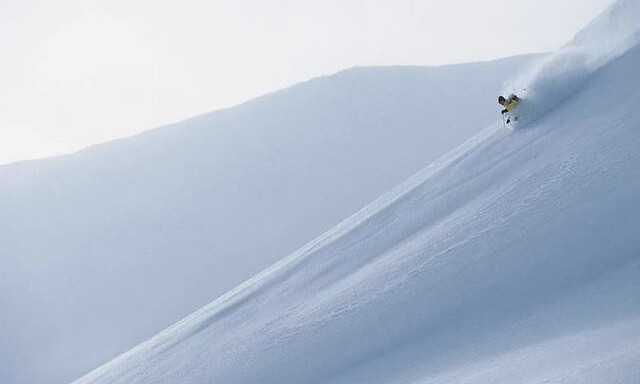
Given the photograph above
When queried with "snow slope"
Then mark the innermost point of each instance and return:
(104, 248)
(513, 259)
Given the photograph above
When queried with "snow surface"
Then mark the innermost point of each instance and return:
(102, 249)
(513, 259)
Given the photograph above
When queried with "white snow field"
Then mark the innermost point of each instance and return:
(513, 259)
(102, 249)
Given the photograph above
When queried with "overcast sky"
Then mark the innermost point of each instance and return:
(79, 72)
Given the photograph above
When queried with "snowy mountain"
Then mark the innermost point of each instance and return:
(104, 248)
(513, 259)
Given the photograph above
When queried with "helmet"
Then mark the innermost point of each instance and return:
(501, 99)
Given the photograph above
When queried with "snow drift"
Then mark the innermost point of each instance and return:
(102, 249)
(554, 77)
(514, 258)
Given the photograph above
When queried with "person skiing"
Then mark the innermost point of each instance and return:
(509, 104)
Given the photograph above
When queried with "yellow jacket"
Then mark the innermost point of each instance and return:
(510, 104)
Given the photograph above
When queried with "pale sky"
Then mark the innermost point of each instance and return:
(80, 72)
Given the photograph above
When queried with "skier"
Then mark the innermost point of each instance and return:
(509, 104)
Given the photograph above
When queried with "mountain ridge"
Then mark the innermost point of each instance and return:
(101, 249)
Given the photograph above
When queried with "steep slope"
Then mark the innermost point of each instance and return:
(515, 258)
(104, 248)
